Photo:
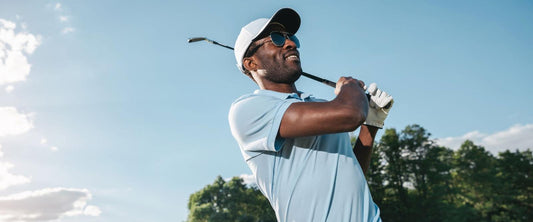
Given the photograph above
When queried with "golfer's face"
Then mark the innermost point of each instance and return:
(281, 62)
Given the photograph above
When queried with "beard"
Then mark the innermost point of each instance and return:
(281, 73)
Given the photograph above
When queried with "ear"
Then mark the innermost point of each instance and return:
(249, 63)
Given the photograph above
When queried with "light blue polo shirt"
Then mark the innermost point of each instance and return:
(315, 178)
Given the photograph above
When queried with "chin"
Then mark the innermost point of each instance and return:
(285, 75)
(295, 75)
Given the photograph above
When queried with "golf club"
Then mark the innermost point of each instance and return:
(316, 78)
(313, 77)
(197, 39)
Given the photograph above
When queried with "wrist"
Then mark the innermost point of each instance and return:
(371, 129)
(374, 125)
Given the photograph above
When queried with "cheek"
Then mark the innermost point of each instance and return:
(275, 58)
(267, 59)
(270, 52)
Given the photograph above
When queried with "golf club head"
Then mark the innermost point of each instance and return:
(196, 39)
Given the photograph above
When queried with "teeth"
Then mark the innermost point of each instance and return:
(293, 57)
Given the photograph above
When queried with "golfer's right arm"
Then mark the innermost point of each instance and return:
(343, 114)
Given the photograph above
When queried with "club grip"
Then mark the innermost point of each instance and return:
(325, 81)
(332, 84)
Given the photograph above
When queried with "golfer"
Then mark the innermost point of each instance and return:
(298, 146)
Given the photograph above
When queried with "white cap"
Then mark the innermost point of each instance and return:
(285, 16)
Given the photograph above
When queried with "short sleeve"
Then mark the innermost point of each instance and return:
(255, 121)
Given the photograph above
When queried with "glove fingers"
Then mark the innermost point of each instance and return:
(383, 100)
(378, 98)
(390, 103)
(372, 88)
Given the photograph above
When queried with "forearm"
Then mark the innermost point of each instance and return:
(363, 146)
(345, 113)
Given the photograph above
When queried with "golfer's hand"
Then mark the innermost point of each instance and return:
(348, 82)
(378, 106)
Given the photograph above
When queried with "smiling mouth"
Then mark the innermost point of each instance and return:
(293, 58)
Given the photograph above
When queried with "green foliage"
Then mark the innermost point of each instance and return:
(229, 201)
(515, 186)
(474, 177)
(411, 179)
(395, 175)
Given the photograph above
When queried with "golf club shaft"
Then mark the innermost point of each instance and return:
(225, 46)
(313, 77)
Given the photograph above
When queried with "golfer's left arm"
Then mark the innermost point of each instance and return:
(363, 146)
(377, 113)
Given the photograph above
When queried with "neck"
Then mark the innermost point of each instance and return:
(264, 83)
(284, 88)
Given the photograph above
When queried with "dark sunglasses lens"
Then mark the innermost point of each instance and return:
(277, 38)
(295, 40)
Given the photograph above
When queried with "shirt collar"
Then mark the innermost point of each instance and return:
(303, 96)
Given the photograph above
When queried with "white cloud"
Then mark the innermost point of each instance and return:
(52, 148)
(63, 18)
(39, 205)
(67, 30)
(57, 7)
(455, 142)
(516, 137)
(9, 88)
(8, 24)
(248, 178)
(92, 211)
(13, 122)
(7, 179)
(46, 204)
(14, 47)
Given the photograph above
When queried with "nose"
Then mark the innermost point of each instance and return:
(289, 43)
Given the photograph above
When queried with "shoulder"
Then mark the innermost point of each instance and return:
(253, 99)
(262, 105)
(259, 99)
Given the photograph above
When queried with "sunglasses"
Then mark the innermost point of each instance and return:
(278, 38)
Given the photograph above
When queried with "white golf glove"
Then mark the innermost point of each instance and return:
(378, 106)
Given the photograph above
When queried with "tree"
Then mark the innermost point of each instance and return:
(395, 200)
(229, 201)
(411, 179)
(474, 177)
(428, 167)
(515, 186)
(376, 176)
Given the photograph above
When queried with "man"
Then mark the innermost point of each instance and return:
(297, 146)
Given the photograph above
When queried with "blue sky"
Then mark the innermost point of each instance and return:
(104, 104)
